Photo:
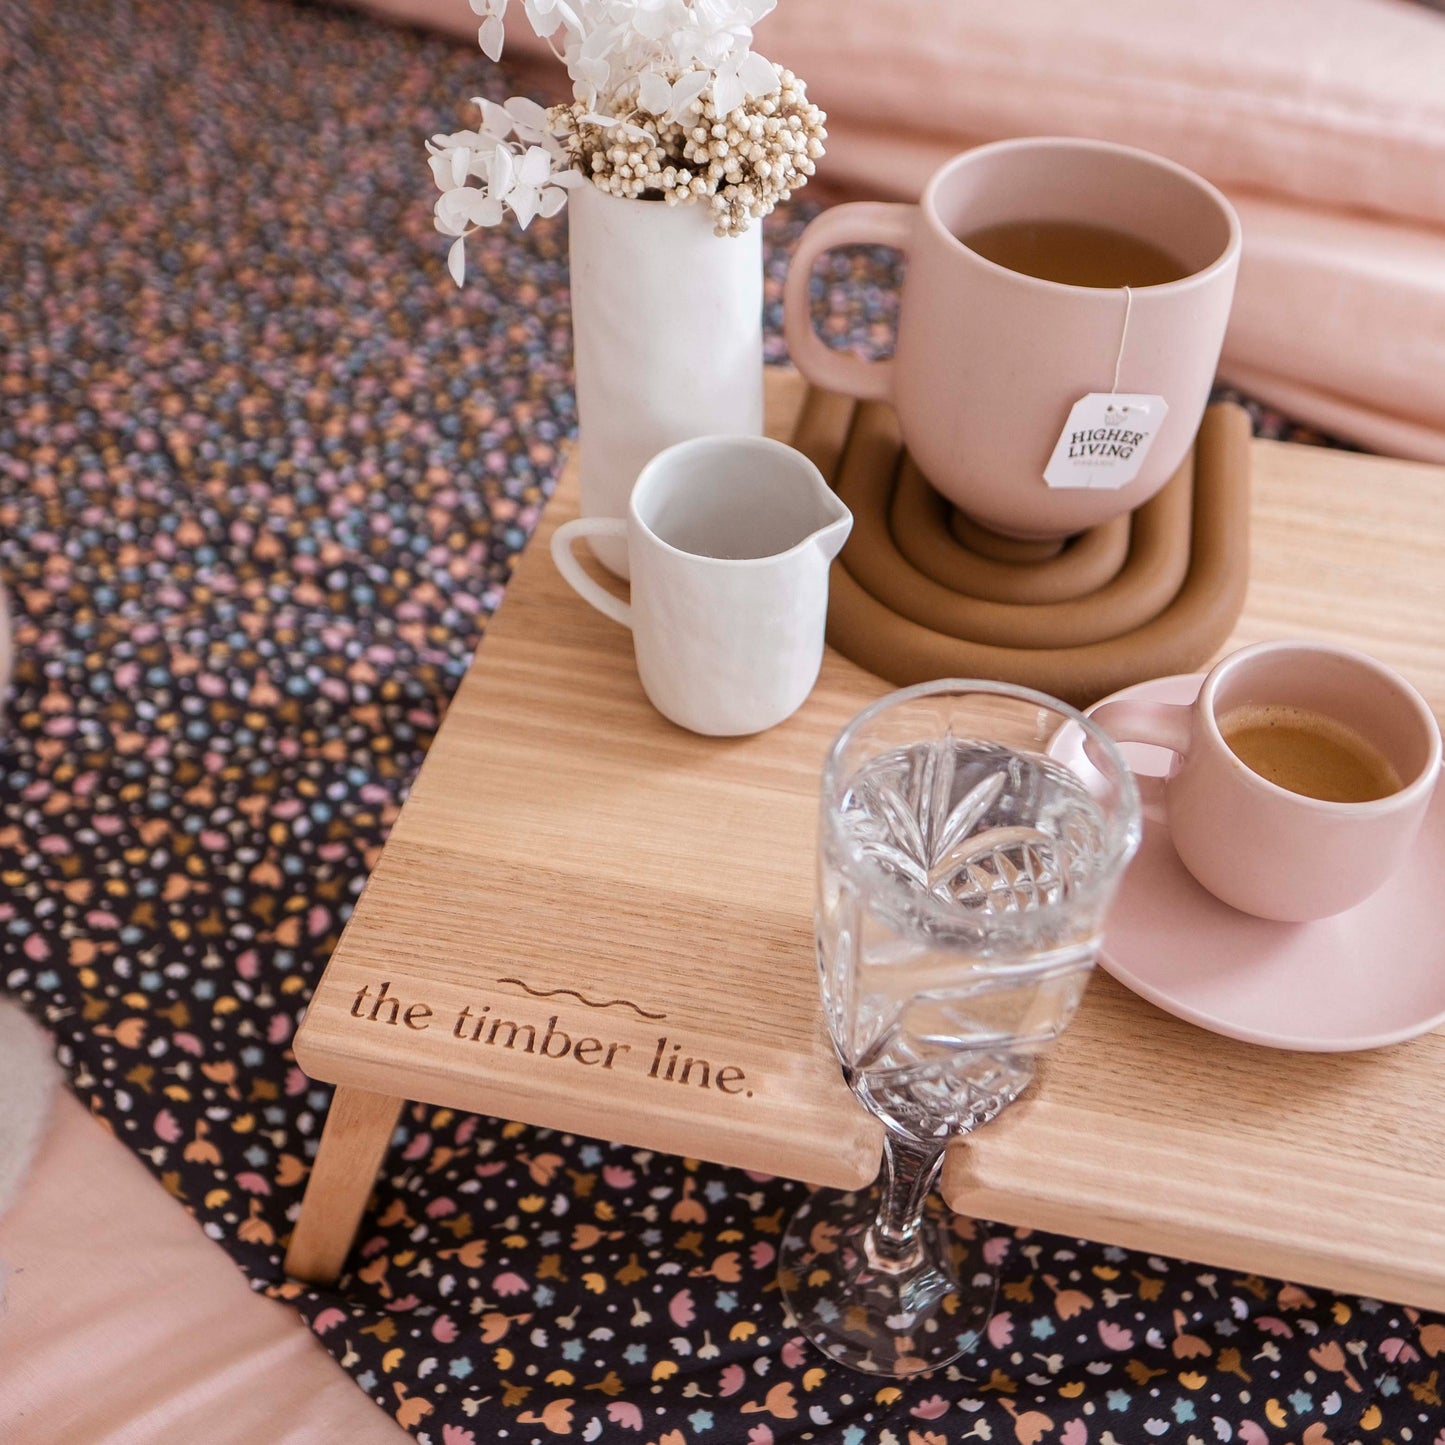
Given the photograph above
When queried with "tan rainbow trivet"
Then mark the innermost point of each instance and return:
(1149, 595)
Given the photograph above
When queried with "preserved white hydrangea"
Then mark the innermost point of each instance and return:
(669, 100)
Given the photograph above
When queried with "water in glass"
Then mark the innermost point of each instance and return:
(937, 1015)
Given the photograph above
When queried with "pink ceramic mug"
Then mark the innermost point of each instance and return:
(1258, 846)
(990, 361)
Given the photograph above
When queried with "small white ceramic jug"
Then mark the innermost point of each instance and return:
(729, 540)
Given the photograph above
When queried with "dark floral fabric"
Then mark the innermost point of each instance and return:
(262, 472)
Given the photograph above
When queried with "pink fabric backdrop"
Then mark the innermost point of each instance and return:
(1325, 124)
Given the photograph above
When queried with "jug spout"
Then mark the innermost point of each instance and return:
(830, 538)
(835, 521)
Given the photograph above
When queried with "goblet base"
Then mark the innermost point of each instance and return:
(870, 1313)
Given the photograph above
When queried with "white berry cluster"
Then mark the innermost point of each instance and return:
(628, 161)
(754, 157)
(743, 162)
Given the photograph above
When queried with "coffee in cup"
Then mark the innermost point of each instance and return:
(1308, 753)
(1304, 773)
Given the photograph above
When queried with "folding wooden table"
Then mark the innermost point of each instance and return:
(588, 919)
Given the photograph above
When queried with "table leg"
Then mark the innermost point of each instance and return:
(353, 1144)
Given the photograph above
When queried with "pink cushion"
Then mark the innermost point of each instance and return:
(1339, 320)
(1337, 102)
(122, 1324)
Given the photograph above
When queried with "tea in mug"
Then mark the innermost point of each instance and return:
(1075, 253)
(1308, 753)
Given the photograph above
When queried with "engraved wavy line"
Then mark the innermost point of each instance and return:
(581, 998)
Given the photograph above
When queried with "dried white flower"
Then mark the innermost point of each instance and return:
(668, 99)
(528, 175)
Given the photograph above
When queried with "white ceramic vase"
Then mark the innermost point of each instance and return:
(668, 336)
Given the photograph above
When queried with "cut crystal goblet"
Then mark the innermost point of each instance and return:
(964, 875)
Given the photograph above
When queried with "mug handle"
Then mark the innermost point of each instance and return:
(572, 570)
(858, 223)
(1162, 724)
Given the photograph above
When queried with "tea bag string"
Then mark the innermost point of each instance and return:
(1123, 337)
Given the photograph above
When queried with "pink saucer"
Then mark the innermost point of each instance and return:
(1362, 979)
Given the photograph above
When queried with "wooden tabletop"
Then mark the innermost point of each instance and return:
(590, 920)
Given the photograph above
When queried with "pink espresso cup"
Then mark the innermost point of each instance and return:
(1255, 845)
(990, 361)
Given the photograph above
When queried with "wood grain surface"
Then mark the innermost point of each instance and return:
(563, 836)
(354, 1141)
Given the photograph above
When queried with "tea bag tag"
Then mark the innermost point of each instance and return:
(1105, 440)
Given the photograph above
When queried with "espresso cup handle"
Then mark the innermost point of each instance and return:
(858, 223)
(1161, 724)
(572, 570)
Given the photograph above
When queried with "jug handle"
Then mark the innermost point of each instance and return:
(573, 573)
(858, 223)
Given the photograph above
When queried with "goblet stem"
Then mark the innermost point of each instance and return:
(910, 1167)
(878, 1280)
